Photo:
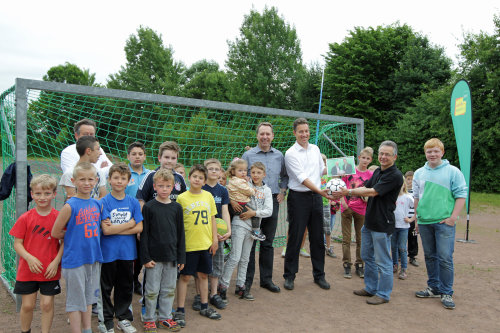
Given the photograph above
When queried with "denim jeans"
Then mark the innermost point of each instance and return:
(376, 253)
(438, 241)
(398, 245)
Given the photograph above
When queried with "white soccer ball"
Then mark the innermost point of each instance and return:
(335, 185)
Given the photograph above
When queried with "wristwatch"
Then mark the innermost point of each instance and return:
(349, 193)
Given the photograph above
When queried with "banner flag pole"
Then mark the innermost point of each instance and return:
(319, 108)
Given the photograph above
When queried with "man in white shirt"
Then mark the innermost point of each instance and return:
(305, 167)
(69, 155)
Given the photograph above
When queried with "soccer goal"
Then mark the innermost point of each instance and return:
(38, 118)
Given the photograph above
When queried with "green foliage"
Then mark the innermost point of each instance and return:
(206, 81)
(375, 73)
(308, 89)
(70, 73)
(265, 62)
(150, 66)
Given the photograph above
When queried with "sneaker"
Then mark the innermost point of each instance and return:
(247, 296)
(329, 252)
(217, 301)
(100, 326)
(125, 326)
(223, 293)
(283, 252)
(257, 235)
(143, 312)
(210, 313)
(447, 302)
(180, 318)
(360, 270)
(414, 262)
(395, 268)
(169, 325)
(239, 291)
(150, 327)
(347, 270)
(197, 303)
(304, 253)
(402, 274)
(427, 293)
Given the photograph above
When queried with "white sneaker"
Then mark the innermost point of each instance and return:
(101, 327)
(125, 326)
(304, 253)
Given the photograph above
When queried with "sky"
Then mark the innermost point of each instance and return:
(37, 35)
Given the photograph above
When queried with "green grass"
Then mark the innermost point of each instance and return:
(482, 200)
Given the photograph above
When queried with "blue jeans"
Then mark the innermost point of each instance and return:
(376, 253)
(438, 241)
(398, 244)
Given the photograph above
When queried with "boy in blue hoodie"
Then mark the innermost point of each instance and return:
(439, 190)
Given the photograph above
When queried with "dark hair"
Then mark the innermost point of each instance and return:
(121, 168)
(85, 121)
(299, 121)
(200, 168)
(136, 144)
(409, 173)
(85, 142)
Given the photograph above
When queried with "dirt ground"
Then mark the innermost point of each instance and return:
(310, 309)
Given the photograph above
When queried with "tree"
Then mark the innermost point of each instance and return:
(206, 81)
(480, 65)
(70, 73)
(309, 88)
(150, 66)
(376, 73)
(265, 62)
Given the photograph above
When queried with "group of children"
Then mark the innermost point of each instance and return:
(148, 215)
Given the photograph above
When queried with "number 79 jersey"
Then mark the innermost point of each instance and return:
(198, 210)
(83, 232)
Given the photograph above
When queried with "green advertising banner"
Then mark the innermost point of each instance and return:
(461, 114)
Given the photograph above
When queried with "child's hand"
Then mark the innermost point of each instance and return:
(236, 206)
(131, 223)
(150, 264)
(213, 248)
(52, 269)
(106, 222)
(34, 264)
(181, 266)
(224, 237)
(407, 220)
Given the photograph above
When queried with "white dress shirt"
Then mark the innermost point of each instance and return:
(69, 158)
(303, 163)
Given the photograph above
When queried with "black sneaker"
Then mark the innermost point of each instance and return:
(239, 291)
(247, 296)
(347, 270)
(197, 303)
(210, 313)
(180, 318)
(360, 271)
(427, 293)
(217, 301)
(258, 235)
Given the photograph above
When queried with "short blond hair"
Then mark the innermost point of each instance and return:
(433, 143)
(212, 161)
(367, 151)
(163, 174)
(259, 165)
(169, 145)
(83, 166)
(45, 181)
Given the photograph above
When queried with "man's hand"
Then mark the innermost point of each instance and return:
(236, 206)
(104, 164)
(280, 197)
(150, 264)
(180, 266)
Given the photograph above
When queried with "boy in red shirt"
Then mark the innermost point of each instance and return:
(40, 254)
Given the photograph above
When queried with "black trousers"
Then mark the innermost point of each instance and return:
(305, 209)
(119, 275)
(412, 241)
(266, 252)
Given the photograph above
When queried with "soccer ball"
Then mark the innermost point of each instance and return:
(335, 185)
(221, 226)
